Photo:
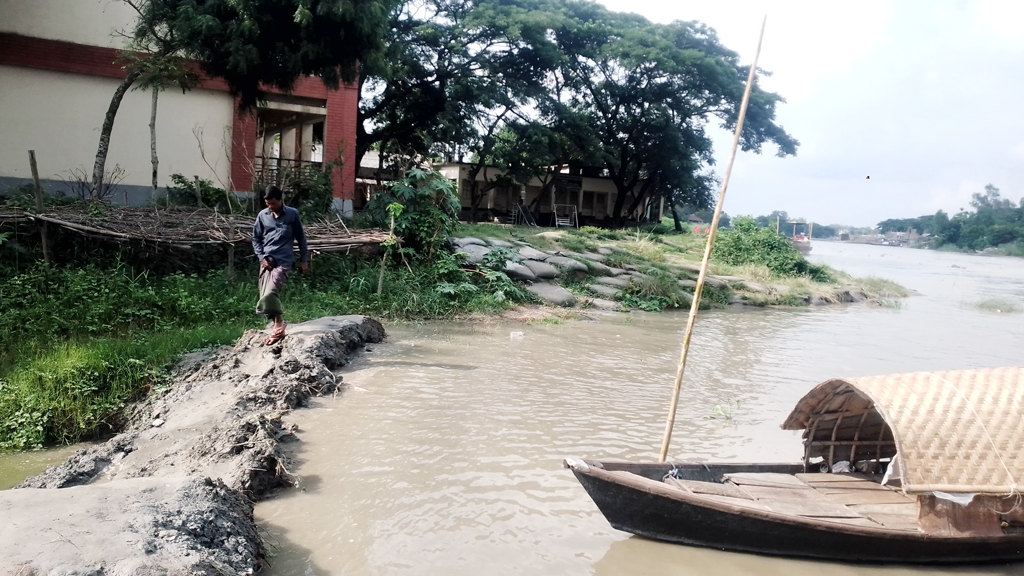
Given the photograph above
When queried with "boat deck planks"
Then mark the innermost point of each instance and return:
(894, 521)
(862, 522)
(869, 497)
(696, 487)
(766, 479)
(839, 487)
(766, 493)
(810, 508)
(738, 502)
(851, 499)
(825, 478)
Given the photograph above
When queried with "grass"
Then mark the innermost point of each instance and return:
(78, 389)
(955, 248)
(645, 247)
(998, 305)
(881, 287)
(504, 232)
(661, 255)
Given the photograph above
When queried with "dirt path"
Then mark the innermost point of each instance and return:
(173, 494)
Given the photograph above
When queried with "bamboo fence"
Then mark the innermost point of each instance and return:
(187, 228)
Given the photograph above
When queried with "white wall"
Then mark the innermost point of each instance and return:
(59, 116)
(92, 22)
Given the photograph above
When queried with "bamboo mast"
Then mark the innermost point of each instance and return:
(712, 232)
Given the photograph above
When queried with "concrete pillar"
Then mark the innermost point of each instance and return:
(288, 151)
(306, 142)
(343, 207)
(268, 147)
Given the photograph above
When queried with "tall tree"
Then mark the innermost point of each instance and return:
(253, 43)
(454, 73)
(991, 200)
(649, 92)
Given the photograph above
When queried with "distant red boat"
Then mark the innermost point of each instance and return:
(802, 243)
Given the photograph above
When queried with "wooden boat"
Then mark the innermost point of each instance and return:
(802, 244)
(959, 437)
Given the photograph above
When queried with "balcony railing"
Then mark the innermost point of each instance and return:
(270, 170)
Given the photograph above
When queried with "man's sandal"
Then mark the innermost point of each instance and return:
(275, 337)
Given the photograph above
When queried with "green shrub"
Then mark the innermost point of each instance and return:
(182, 192)
(746, 243)
(430, 209)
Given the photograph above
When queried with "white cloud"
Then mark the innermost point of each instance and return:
(918, 94)
(1001, 18)
(805, 40)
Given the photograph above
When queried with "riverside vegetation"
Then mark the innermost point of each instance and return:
(88, 336)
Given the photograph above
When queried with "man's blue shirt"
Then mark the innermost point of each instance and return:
(273, 236)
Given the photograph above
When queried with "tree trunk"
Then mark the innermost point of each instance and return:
(106, 129)
(637, 201)
(152, 140)
(620, 201)
(473, 200)
(675, 217)
(534, 207)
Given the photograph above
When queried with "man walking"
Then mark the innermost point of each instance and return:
(276, 228)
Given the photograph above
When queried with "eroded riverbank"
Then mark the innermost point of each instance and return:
(173, 493)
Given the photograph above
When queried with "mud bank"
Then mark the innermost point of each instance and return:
(173, 494)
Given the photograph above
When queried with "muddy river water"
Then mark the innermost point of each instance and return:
(444, 454)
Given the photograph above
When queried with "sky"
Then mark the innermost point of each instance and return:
(925, 97)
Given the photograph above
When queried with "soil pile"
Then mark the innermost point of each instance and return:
(173, 494)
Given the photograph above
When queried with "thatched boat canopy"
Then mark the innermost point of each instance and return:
(958, 431)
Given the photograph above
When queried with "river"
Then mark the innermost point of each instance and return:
(443, 456)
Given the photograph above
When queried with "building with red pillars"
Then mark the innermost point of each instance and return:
(59, 68)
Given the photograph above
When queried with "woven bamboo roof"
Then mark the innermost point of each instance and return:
(956, 431)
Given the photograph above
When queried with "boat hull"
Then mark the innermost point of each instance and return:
(683, 519)
(802, 247)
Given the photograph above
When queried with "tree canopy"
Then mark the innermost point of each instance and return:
(485, 78)
(255, 43)
(247, 43)
(446, 65)
(648, 92)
